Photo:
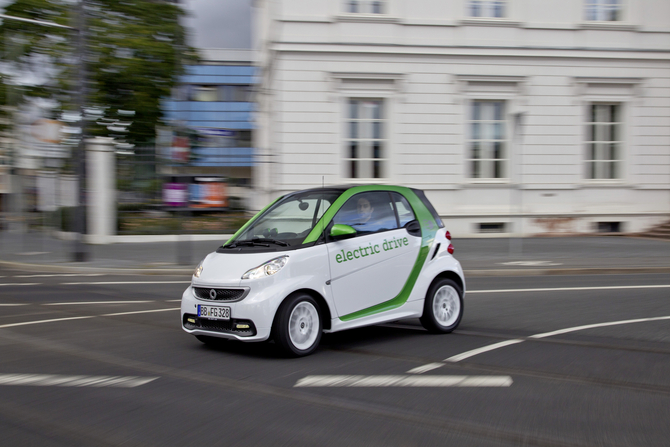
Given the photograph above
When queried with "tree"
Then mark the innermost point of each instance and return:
(134, 54)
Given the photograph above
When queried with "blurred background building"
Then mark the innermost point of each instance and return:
(211, 128)
(515, 116)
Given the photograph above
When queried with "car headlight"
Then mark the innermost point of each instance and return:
(197, 271)
(268, 269)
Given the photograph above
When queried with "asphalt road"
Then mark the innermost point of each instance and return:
(101, 361)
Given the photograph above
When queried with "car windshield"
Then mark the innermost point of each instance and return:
(289, 221)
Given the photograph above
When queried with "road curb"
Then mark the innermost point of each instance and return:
(51, 268)
(567, 271)
(188, 270)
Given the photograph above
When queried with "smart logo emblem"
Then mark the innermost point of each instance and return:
(362, 252)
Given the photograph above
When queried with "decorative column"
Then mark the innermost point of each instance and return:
(101, 190)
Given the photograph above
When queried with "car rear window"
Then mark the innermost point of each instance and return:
(430, 207)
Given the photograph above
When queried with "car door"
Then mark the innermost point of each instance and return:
(372, 267)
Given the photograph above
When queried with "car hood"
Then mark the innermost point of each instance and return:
(227, 268)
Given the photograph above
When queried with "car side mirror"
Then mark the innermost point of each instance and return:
(413, 227)
(340, 231)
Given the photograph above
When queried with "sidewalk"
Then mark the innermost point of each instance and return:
(479, 256)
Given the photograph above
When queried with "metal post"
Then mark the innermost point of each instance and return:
(516, 249)
(80, 252)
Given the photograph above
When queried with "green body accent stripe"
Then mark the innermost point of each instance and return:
(250, 221)
(428, 230)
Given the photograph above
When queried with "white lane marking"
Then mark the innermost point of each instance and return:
(106, 283)
(468, 354)
(569, 289)
(97, 302)
(139, 312)
(425, 368)
(597, 325)
(33, 253)
(26, 323)
(58, 275)
(502, 344)
(21, 284)
(173, 301)
(404, 381)
(12, 304)
(77, 381)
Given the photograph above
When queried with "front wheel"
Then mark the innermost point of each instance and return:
(297, 327)
(443, 307)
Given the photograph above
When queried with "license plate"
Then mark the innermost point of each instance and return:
(214, 312)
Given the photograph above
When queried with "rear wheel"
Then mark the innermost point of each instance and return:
(443, 307)
(297, 327)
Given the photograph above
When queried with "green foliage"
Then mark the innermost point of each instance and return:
(134, 53)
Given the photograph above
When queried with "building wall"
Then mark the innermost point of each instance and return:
(430, 62)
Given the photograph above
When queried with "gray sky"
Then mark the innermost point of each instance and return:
(214, 23)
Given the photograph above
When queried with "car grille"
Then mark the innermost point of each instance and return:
(191, 322)
(228, 294)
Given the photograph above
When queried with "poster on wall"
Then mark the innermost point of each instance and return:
(200, 193)
(175, 194)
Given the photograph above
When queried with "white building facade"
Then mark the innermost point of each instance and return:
(515, 116)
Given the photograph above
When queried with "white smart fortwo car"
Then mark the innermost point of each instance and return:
(325, 260)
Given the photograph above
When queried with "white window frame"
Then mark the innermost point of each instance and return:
(608, 90)
(476, 88)
(598, 10)
(488, 7)
(345, 86)
(598, 165)
(366, 139)
(371, 7)
(489, 160)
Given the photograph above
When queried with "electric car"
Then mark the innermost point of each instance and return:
(325, 260)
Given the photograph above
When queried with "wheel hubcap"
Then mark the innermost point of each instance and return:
(303, 325)
(446, 306)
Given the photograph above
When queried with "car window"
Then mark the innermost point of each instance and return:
(405, 213)
(291, 219)
(368, 212)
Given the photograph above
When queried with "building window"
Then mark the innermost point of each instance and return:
(224, 93)
(603, 10)
(604, 141)
(204, 93)
(487, 144)
(487, 8)
(366, 6)
(365, 144)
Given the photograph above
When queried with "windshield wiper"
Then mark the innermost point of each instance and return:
(273, 241)
(257, 242)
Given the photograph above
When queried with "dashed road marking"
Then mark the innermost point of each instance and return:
(404, 381)
(55, 320)
(21, 284)
(97, 302)
(58, 275)
(107, 283)
(74, 381)
(425, 368)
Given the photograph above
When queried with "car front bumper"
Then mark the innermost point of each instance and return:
(246, 323)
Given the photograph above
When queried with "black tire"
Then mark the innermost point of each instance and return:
(443, 306)
(297, 326)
